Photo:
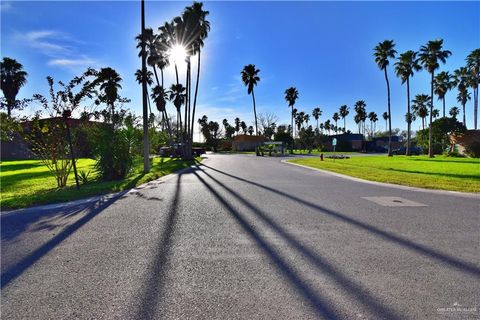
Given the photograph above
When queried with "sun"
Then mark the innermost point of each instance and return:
(177, 53)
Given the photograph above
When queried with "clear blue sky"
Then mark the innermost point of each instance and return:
(322, 48)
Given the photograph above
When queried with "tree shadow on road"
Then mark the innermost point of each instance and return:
(446, 259)
(153, 286)
(15, 269)
(320, 305)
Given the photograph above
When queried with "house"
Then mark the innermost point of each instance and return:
(245, 142)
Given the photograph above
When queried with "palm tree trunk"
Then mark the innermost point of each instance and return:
(409, 122)
(195, 95)
(464, 117)
(146, 145)
(430, 146)
(389, 116)
(255, 112)
(344, 124)
(443, 101)
(475, 106)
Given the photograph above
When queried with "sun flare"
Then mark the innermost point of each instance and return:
(177, 53)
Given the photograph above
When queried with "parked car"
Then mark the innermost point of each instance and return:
(176, 151)
(403, 150)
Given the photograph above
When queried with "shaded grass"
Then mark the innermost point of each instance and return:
(445, 173)
(316, 152)
(26, 183)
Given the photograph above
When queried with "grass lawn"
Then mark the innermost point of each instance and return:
(28, 182)
(446, 173)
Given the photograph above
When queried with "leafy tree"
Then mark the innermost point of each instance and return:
(430, 55)
(440, 129)
(13, 77)
(383, 52)
(211, 132)
(405, 67)
(243, 125)
(250, 130)
(250, 78)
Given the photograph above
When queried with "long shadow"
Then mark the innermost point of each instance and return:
(441, 161)
(6, 166)
(421, 249)
(449, 175)
(17, 269)
(319, 304)
(155, 282)
(348, 285)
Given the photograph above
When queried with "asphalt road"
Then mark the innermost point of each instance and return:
(241, 237)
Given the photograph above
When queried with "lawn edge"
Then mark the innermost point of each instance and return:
(390, 185)
(100, 197)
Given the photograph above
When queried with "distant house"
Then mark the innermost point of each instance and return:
(245, 142)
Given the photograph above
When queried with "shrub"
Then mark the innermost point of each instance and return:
(84, 176)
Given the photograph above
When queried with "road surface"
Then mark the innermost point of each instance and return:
(241, 237)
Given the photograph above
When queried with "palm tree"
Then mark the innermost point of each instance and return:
(13, 77)
(383, 51)
(372, 116)
(243, 125)
(462, 97)
(420, 107)
(361, 115)
(250, 78)
(327, 126)
(344, 113)
(109, 81)
(316, 113)
(177, 96)
(237, 125)
(335, 118)
(430, 55)
(322, 126)
(443, 83)
(385, 117)
(473, 65)
(454, 111)
(291, 95)
(250, 130)
(405, 67)
(435, 113)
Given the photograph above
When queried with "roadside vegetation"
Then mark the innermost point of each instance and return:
(441, 172)
(28, 182)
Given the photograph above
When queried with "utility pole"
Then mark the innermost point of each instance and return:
(146, 144)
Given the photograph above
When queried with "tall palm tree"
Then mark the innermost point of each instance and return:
(462, 82)
(361, 115)
(372, 116)
(316, 113)
(335, 118)
(109, 81)
(430, 55)
(405, 67)
(383, 52)
(443, 82)
(291, 95)
(420, 107)
(197, 27)
(13, 77)
(344, 113)
(250, 78)
(473, 65)
(462, 97)
(385, 117)
(177, 96)
(435, 113)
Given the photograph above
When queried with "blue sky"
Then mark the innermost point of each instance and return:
(324, 49)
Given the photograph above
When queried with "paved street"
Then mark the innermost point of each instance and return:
(241, 237)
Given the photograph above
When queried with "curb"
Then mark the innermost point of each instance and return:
(103, 197)
(389, 185)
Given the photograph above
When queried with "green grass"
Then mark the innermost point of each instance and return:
(445, 173)
(28, 182)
